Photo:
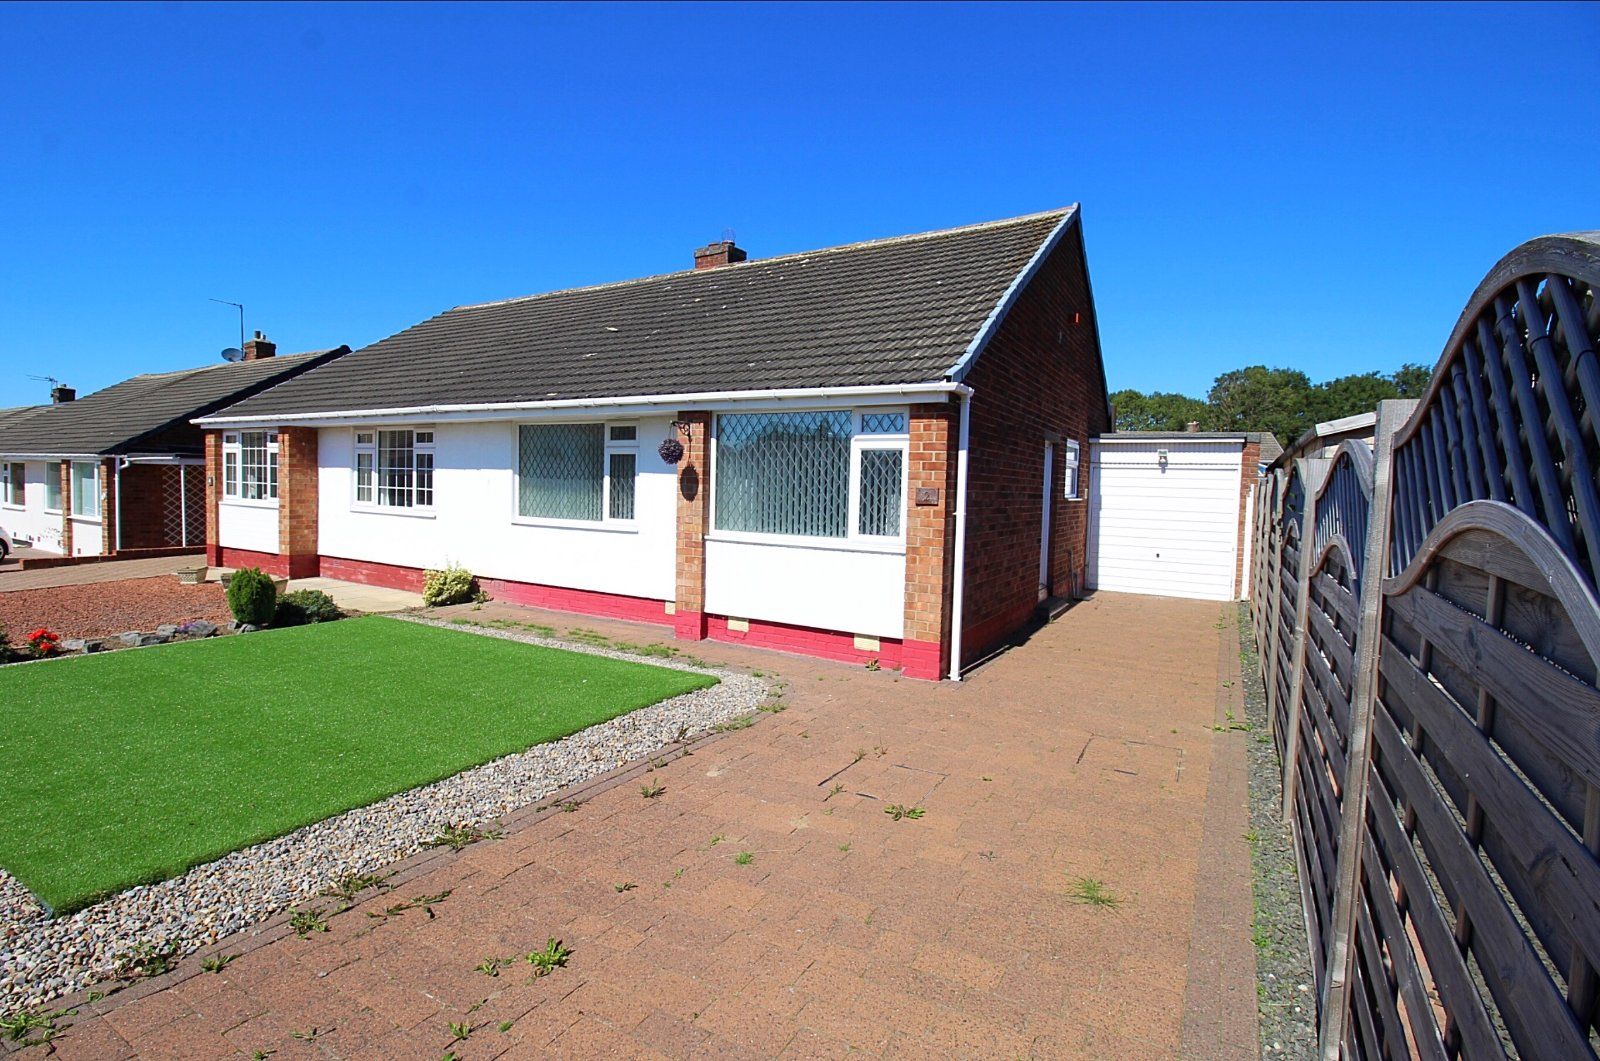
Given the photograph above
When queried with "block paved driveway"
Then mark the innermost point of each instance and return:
(1087, 752)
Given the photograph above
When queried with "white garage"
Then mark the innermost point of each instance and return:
(1165, 513)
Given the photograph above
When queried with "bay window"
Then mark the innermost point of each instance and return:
(822, 474)
(250, 465)
(584, 473)
(394, 468)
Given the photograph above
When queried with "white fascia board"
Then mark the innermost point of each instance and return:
(51, 456)
(1221, 440)
(1013, 291)
(641, 405)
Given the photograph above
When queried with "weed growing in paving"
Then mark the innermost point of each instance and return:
(20, 1026)
(1087, 891)
(715, 840)
(772, 707)
(651, 791)
(553, 957)
(217, 962)
(425, 903)
(568, 806)
(1231, 725)
(742, 722)
(492, 966)
(351, 885)
(897, 811)
(845, 848)
(147, 959)
(743, 858)
(504, 1025)
(305, 922)
(261, 1055)
(861, 753)
(460, 1029)
(838, 787)
(456, 837)
(589, 637)
(625, 886)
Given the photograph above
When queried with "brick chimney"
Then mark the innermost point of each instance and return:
(722, 252)
(259, 347)
(1193, 427)
(62, 393)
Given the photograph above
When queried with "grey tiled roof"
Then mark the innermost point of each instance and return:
(116, 419)
(889, 312)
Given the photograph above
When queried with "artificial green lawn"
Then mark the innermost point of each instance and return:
(130, 767)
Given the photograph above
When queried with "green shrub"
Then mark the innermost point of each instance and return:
(5, 645)
(452, 585)
(304, 606)
(252, 597)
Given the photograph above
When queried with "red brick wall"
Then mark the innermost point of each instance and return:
(1038, 380)
(930, 538)
(297, 500)
(108, 506)
(213, 496)
(694, 518)
(1247, 483)
(64, 472)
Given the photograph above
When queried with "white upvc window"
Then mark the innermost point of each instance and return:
(820, 474)
(394, 468)
(578, 473)
(13, 484)
(52, 487)
(86, 489)
(250, 466)
(1071, 461)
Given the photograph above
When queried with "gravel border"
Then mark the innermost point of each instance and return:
(1284, 985)
(43, 958)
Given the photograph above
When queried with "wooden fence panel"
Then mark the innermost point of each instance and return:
(1443, 783)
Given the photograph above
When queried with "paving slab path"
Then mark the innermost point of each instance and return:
(764, 904)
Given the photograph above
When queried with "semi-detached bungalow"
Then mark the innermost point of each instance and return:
(869, 452)
(119, 472)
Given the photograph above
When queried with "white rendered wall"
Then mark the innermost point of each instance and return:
(30, 520)
(242, 525)
(831, 588)
(1169, 531)
(473, 519)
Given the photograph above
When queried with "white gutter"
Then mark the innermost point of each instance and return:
(991, 325)
(51, 456)
(645, 403)
(959, 575)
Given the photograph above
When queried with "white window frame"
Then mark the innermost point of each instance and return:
(1072, 470)
(853, 540)
(233, 451)
(52, 476)
(605, 522)
(16, 492)
(370, 448)
(72, 481)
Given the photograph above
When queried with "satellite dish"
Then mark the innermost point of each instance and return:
(233, 353)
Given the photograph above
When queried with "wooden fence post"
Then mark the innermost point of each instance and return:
(1302, 605)
(1363, 700)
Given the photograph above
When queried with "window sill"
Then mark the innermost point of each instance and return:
(82, 518)
(244, 502)
(892, 547)
(14, 508)
(52, 512)
(394, 510)
(603, 526)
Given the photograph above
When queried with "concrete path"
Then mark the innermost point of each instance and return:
(777, 910)
(353, 596)
(88, 574)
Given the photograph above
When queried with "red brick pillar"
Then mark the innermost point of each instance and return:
(213, 497)
(64, 477)
(297, 501)
(930, 540)
(108, 506)
(694, 519)
(1247, 482)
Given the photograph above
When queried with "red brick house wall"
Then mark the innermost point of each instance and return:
(930, 540)
(1038, 380)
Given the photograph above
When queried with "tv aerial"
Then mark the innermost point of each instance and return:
(234, 353)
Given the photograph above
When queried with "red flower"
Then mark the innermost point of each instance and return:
(44, 642)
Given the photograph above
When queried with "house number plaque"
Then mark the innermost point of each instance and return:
(927, 495)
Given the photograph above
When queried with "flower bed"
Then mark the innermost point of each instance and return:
(105, 609)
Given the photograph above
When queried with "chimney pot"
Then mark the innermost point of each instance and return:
(259, 347)
(1193, 427)
(722, 252)
(62, 393)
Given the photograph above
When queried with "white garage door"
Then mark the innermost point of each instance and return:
(1168, 530)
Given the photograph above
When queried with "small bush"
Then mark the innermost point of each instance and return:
(304, 606)
(252, 597)
(5, 645)
(451, 585)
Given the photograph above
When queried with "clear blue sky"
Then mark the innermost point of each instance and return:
(1315, 187)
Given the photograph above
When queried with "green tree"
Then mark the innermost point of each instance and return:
(1158, 411)
(1410, 380)
(1349, 395)
(1258, 398)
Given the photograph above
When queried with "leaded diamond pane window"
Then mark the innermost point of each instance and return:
(882, 478)
(883, 423)
(622, 467)
(560, 470)
(784, 473)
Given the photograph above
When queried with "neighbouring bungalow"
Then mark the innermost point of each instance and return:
(121, 471)
(873, 452)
